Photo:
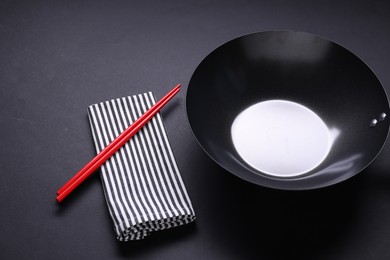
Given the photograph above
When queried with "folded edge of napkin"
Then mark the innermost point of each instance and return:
(142, 184)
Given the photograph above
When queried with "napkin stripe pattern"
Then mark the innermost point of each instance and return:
(142, 184)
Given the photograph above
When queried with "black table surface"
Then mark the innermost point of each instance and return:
(58, 57)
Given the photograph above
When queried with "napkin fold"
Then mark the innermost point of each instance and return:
(142, 184)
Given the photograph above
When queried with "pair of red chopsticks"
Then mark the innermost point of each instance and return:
(117, 143)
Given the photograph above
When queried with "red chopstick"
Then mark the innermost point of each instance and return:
(110, 149)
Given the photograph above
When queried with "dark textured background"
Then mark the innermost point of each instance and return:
(58, 57)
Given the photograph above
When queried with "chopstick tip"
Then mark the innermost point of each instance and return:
(59, 199)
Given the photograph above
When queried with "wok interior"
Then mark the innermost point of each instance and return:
(298, 67)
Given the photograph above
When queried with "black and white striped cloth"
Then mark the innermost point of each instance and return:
(142, 184)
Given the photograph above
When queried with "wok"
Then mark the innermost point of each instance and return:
(274, 76)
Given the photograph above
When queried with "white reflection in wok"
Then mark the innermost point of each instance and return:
(345, 166)
(282, 138)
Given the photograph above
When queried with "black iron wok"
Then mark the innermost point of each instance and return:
(298, 67)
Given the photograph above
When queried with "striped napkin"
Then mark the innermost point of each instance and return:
(142, 184)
